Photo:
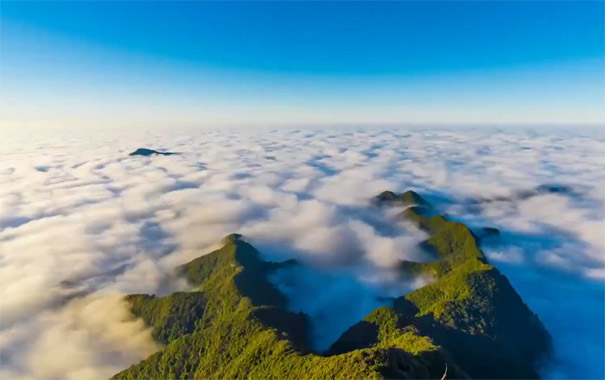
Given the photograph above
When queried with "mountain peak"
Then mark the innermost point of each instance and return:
(407, 198)
(233, 238)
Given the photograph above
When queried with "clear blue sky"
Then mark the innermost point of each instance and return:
(193, 63)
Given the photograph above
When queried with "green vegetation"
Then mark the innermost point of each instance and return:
(409, 198)
(171, 317)
(471, 309)
(429, 224)
(234, 324)
(392, 333)
(243, 331)
(453, 243)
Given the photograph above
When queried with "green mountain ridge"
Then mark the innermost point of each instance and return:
(235, 323)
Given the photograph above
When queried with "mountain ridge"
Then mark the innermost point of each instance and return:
(235, 323)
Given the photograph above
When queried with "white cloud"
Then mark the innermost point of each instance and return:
(57, 343)
(79, 209)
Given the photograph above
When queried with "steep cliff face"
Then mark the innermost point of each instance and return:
(235, 325)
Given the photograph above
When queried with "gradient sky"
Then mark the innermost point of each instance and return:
(204, 63)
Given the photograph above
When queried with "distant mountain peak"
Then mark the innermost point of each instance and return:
(149, 152)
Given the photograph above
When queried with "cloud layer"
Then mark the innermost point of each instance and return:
(81, 223)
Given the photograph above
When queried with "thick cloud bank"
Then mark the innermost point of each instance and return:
(82, 222)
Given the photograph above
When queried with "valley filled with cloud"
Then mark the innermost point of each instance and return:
(83, 223)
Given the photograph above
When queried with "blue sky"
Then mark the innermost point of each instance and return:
(204, 63)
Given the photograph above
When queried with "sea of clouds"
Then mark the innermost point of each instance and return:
(83, 223)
